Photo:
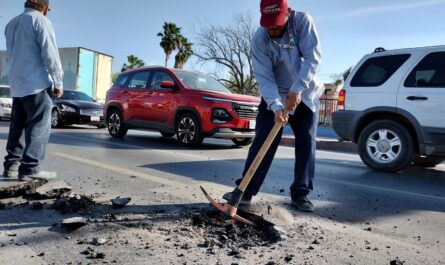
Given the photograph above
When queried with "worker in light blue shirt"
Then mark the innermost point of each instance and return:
(35, 75)
(286, 54)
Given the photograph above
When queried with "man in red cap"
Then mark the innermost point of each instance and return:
(286, 55)
(35, 75)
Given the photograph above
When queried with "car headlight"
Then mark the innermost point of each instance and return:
(66, 108)
(220, 115)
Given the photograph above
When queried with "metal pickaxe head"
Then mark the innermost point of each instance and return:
(227, 209)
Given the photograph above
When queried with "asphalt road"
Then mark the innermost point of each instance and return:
(407, 208)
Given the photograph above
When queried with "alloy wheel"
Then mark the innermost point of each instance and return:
(114, 123)
(383, 146)
(55, 118)
(186, 130)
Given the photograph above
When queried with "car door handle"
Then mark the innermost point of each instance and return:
(416, 98)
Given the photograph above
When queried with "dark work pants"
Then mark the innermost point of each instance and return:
(29, 132)
(304, 125)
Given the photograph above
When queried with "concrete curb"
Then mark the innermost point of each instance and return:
(326, 144)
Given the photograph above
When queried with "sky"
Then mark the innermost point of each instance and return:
(348, 29)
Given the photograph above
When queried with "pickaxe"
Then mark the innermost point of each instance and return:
(231, 207)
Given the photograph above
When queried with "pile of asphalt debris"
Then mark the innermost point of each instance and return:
(217, 229)
(212, 227)
(225, 232)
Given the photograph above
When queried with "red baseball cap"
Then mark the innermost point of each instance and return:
(43, 3)
(273, 12)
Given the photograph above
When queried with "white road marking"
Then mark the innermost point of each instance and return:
(117, 169)
(135, 173)
(172, 183)
(132, 146)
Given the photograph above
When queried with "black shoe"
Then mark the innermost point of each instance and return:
(245, 200)
(303, 204)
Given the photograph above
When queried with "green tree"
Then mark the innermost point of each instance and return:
(341, 78)
(184, 53)
(228, 48)
(114, 77)
(133, 63)
(170, 39)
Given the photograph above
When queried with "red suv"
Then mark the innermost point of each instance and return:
(191, 105)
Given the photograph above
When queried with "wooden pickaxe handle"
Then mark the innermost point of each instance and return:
(238, 193)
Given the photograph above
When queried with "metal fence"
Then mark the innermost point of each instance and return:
(327, 107)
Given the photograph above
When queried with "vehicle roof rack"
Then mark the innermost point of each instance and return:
(379, 49)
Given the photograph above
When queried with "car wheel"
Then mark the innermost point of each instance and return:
(115, 124)
(188, 131)
(428, 161)
(56, 120)
(386, 145)
(241, 141)
(167, 134)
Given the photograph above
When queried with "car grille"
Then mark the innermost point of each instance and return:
(245, 111)
(6, 105)
(92, 112)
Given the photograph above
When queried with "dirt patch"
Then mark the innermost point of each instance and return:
(222, 231)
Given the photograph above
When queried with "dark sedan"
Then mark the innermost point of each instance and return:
(76, 107)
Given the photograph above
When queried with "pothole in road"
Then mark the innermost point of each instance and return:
(222, 231)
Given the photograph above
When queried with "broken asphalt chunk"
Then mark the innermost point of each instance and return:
(74, 203)
(37, 206)
(96, 255)
(17, 189)
(396, 262)
(98, 241)
(50, 190)
(120, 202)
(74, 223)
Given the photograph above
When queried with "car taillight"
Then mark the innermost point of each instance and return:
(341, 100)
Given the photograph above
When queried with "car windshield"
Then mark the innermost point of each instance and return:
(5, 92)
(200, 81)
(76, 95)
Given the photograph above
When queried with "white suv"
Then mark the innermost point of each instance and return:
(393, 107)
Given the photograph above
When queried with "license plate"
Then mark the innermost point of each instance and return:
(252, 125)
(95, 118)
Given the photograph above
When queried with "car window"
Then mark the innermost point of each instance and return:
(377, 70)
(121, 80)
(139, 80)
(5, 92)
(158, 77)
(196, 80)
(430, 72)
(76, 95)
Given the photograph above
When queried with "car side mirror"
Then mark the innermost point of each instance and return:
(167, 84)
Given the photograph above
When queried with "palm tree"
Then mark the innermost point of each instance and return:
(170, 39)
(133, 63)
(184, 53)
